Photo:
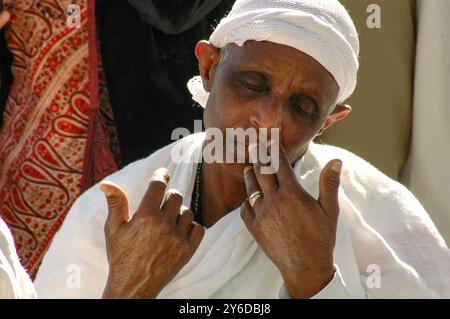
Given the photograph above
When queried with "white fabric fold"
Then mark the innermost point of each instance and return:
(380, 223)
(14, 281)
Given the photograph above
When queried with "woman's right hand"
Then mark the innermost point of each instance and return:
(146, 251)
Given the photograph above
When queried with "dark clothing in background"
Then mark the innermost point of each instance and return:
(176, 16)
(5, 74)
(148, 57)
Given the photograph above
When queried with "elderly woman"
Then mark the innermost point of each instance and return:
(325, 224)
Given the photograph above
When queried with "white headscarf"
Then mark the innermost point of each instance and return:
(320, 28)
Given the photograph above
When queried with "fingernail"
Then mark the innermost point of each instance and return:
(106, 192)
(337, 166)
(161, 174)
(173, 191)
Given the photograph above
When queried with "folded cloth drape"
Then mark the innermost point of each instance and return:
(383, 231)
(14, 281)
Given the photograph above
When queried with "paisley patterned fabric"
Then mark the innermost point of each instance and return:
(45, 138)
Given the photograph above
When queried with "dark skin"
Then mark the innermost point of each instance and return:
(260, 85)
(293, 78)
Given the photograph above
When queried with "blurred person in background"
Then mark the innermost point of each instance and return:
(53, 140)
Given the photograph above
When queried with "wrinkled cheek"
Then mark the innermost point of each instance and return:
(296, 145)
(210, 114)
(223, 113)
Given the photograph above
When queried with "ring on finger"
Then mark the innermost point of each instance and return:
(254, 196)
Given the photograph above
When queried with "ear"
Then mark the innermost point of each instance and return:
(208, 57)
(339, 113)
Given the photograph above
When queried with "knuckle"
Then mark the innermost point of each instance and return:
(187, 216)
(197, 232)
(181, 245)
(332, 181)
(165, 228)
(186, 221)
(114, 202)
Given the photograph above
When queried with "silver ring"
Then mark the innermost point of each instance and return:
(254, 196)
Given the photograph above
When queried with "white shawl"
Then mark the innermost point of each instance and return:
(381, 227)
(14, 280)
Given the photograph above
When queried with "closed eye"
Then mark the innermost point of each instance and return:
(304, 104)
(252, 87)
(253, 82)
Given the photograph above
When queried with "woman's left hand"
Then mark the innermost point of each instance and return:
(296, 231)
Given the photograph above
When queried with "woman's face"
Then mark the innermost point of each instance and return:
(267, 85)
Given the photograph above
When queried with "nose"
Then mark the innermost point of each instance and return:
(267, 113)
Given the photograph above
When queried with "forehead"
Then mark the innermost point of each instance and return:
(287, 67)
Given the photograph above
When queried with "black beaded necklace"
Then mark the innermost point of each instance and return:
(196, 202)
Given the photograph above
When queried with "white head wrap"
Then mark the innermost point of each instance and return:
(320, 28)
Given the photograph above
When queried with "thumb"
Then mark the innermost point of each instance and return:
(330, 179)
(117, 202)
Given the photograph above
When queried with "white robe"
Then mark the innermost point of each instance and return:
(427, 172)
(382, 227)
(14, 281)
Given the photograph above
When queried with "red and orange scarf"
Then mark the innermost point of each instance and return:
(53, 141)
